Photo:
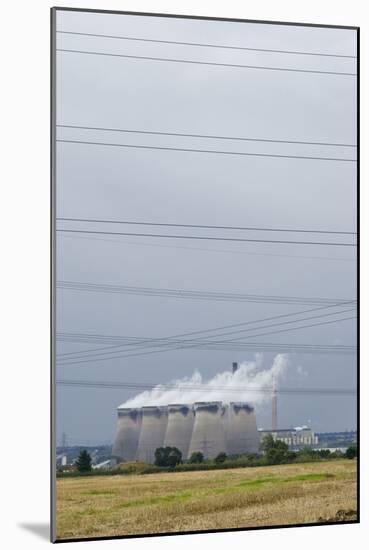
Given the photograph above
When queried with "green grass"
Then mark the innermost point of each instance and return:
(254, 484)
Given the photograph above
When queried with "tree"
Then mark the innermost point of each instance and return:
(275, 456)
(196, 458)
(276, 451)
(174, 457)
(160, 456)
(221, 457)
(324, 453)
(83, 462)
(167, 456)
(351, 452)
(269, 443)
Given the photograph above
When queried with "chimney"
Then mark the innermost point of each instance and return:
(234, 367)
(274, 408)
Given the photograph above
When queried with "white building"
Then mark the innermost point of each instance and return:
(301, 436)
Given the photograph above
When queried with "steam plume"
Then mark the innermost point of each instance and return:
(243, 385)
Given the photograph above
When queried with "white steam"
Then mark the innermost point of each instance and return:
(248, 384)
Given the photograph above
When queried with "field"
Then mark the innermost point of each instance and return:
(220, 499)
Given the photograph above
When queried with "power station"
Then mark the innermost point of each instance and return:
(207, 427)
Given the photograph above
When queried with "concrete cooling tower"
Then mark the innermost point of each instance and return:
(179, 428)
(208, 435)
(153, 428)
(127, 434)
(242, 434)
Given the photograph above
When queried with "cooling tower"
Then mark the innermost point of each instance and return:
(208, 435)
(179, 428)
(154, 425)
(242, 434)
(127, 434)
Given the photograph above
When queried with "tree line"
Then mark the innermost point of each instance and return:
(273, 452)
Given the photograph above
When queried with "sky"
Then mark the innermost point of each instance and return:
(182, 187)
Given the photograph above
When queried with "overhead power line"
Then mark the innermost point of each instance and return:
(188, 225)
(208, 63)
(194, 388)
(222, 46)
(233, 344)
(198, 294)
(218, 329)
(205, 136)
(199, 237)
(212, 250)
(209, 151)
(312, 349)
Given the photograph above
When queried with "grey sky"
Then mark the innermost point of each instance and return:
(179, 187)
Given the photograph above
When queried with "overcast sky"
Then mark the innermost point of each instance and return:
(95, 181)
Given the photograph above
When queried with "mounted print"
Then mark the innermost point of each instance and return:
(204, 274)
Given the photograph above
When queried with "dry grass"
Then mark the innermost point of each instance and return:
(191, 501)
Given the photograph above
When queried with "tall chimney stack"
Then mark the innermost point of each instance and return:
(234, 367)
(274, 408)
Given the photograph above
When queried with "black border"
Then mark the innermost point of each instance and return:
(53, 12)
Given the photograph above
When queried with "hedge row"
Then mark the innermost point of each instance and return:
(244, 462)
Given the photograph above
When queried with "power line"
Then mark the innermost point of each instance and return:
(197, 343)
(206, 45)
(222, 251)
(213, 345)
(226, 227)
(251, 348)
(292, 328)
(197, 237)
(177, 134)
(209, 63)
(216, 345)
(194, 388)
(185, 150)
(197, 294)
(257, 347)
(219, 328)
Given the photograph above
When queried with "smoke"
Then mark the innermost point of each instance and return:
(248, 384)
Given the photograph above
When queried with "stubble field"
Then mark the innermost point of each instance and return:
(195, 501)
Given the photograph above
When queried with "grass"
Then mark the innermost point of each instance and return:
(216, 499)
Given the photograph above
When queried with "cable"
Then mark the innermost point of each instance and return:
(205, 45)
(209, 63)
(227, 227)
(223, 344)
(184, 387)
(197, 237)
(183, 150)
(196, 294)
(216, 250)
(177, 134)
(292, 328)
(311, 350)
(147, 343)
(221, 328)
(100, 337)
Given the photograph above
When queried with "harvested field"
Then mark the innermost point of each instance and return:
(220, 499)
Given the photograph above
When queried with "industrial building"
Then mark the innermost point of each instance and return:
(296, 438)
(206, 427)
